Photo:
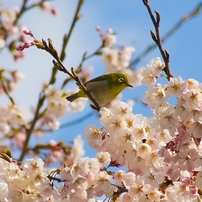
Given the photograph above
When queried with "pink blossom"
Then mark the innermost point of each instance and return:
(20, 139)
(19, 55)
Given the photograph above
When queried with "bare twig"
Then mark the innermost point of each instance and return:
(157, 39)
(59, 65)
(22, 10)
(67, 37)
(178, 24)
(31, 128)
(85, 90)
(84, 58)
(51, 178)
(25, 8)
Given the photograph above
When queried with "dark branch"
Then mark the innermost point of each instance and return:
(157, 39)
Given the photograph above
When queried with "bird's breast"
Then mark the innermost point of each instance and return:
(101, 92)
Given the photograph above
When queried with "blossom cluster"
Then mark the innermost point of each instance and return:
(11, 118)
(117, 58)
(56, 107)
(9, 79)
(14, 123)
(24, 183)
(29, 182)
(157, 158)
(139, 158)
(11, 31)
(164, 146)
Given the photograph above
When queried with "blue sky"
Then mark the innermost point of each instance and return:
(130, 20)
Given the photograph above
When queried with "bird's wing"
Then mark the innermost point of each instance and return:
(100, 78)
(97, 86)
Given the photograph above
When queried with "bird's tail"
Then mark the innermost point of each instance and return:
(72, 97)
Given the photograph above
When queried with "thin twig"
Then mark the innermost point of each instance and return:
(52, 80)
(157, 38)
(22, 10)
(67, 37)
(91, 55)
(51, 178)
(59, 65)
(81, 86)
(178, 24)
(84, 58)
(31, 129)
(25, 8)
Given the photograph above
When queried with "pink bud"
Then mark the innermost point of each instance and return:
(28, 32)
(97, 28)
(20, 47)
(27, 44)
(54, 11)
(45, 6)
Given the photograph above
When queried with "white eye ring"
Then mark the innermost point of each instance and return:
(121, 80)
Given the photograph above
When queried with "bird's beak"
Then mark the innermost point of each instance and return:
(129, 85)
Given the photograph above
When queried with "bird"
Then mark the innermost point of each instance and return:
(104, 89)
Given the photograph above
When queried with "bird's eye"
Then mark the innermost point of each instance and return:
(121, 80)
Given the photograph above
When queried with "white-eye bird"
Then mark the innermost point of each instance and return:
(104, 88)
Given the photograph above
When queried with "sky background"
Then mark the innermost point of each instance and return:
(132, 24)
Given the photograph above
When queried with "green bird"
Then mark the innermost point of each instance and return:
(104, 88)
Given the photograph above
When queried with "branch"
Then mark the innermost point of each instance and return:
(85, 90)
(172, 30)
(23, 8)
(157, 39)
(52, 80)
(67, 37)
(84, 58)
(59, 65)
(30, 130)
